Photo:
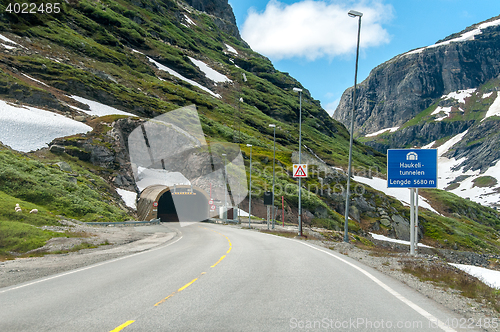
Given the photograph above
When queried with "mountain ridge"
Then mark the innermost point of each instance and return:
(430, 96)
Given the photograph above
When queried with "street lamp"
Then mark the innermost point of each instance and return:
(250, 194)
(352, 13)
(274, 160)
(225, 189)
(300, 156)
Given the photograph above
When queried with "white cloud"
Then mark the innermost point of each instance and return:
(315, 29)
(331, 107)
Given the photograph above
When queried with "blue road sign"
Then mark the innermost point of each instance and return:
(412, 168)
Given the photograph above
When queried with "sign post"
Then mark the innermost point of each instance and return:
(300, 171)
(412, 168)
(268, 201)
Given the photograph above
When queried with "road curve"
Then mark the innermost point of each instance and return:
(222, 278)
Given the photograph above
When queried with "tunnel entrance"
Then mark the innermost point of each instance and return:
(166, 208)
(183, 204)
(173, 204)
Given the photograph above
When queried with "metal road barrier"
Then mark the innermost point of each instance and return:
(125, 223)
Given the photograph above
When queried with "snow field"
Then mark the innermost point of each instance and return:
(393, 129)
(446, 174)
(388, 239)
(129, 197)
(489, 277)
(209, 72)
(28, 128)
(98, 109)
(179, 76)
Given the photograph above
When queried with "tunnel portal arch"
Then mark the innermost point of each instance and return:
(191, 203)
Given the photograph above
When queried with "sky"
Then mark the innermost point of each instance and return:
(315, 40)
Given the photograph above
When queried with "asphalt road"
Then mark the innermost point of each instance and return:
(221, 278)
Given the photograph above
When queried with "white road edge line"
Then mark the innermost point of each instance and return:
(88, 267)
(434, 320)
(400, 297)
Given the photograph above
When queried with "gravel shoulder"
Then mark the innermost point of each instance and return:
(111, 242)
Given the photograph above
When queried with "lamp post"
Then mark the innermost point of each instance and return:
(250, 194)
(300, 156)
(274, 161)
(352, 13)
(225, 189)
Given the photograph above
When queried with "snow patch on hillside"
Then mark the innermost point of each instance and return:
(33, 79)
(209, 72)
(129, 197)
(5, 39)
(494, 109)
(439, 110)
(460, 95)
(188, 20)
(98, 109)
(470, 35)
(489, 277)
(393, 129)
(8, 46)
(28, 128)
(447, 174)
(176, 74)
(231, 49)
(388, 239)
(429, 146)
(449, 143)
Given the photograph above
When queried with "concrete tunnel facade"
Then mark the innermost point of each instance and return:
(191, 203)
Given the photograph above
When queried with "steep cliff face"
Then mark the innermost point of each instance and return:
(220, 9)
(444, 95)
(401, 88)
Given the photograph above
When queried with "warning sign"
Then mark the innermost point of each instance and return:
(300, 170)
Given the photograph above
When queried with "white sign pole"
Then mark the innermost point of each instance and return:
(412, 221)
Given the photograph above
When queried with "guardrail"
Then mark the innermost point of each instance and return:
(125, 223)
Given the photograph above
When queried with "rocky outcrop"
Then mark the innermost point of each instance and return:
(422, 134)
(402, 87)
(480, 148)
(220, 9)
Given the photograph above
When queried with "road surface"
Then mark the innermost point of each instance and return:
(221, 278)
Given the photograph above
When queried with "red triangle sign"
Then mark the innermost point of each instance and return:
(299, 172)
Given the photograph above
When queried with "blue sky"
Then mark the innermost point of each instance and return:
(315, 40)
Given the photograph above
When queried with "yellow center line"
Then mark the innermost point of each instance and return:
(179, 290)
(192, 281)
(220, 259)
(124, 325)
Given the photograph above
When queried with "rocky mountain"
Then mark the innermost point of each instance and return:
(75, 84)
(443, 95)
